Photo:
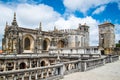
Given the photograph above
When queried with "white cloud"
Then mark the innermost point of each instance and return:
(117, 30)
(99, 10)
(84, 5)
(31, 15)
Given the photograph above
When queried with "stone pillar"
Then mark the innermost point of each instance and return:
(42, 74)
(47, 74)
(30, 64)
(104, 61)
(6, 78)
(38, 63)
(4, 66)
(62, 70)
(36, 74)
(83, 66)
(14, 78)
(14, 65)
(23, 77)
(110, 59)
(79, 65)
(29, 76)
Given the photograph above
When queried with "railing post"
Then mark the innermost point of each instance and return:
(30, 64)
(38, 64)
(30, 76)
(23, 77)
(110, 57)
(104, 61)
(79, 65)
(36, 75)
(83, 66)
(6, 78)
(14, 78)
(14, 65)
(5, 66)
(42, 74)
(62, 69)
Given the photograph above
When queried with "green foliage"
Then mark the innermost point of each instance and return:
(117, 45)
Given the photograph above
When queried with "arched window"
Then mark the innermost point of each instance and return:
(45, 45)
(42, 63)
(27, 43)
(61, 44)
(22, 65)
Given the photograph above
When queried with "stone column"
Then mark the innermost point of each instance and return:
(23, 77)
(6, 78)
(79, 65)
(47, 74)
(38, 63)
(30, 64)
(42, 74)
(14, 78)
(62, 70)
(36, 74)
(29, 76)
(83, 66)
(5, 66)
(14, 65)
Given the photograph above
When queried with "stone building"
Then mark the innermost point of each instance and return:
(106, 37)
(30, 49)
(23, 40)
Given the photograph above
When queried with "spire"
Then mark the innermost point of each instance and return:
(6, 23)
(40, 26)
(14, 20)
(79, 24)
(55, 29)
(6, 26)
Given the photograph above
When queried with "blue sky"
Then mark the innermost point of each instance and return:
(64, 14)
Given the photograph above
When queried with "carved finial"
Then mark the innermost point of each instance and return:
(6, 26)
(79, 24)
(84, 23)
(40, 26)
(14, 20)
(54, 28)
(6, 23)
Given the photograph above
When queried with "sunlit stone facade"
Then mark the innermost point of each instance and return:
(23, 40)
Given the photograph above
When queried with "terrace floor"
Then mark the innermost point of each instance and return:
(110, 71)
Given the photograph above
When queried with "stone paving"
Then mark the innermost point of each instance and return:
(110, 71)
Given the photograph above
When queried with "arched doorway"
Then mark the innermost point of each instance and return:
(42, 63)
(27, 44)
(22, 65)
(60, 44)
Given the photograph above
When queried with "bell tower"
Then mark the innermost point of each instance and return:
(106, 37)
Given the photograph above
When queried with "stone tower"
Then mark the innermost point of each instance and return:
(106, 37)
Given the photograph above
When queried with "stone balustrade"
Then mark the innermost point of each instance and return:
(56, 71)
(48, 72)
(39, 55)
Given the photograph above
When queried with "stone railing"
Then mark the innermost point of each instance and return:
(111, 58)
(91, 64)
(56, 71)
(48, 72)
(72, 66)
(39, 55)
